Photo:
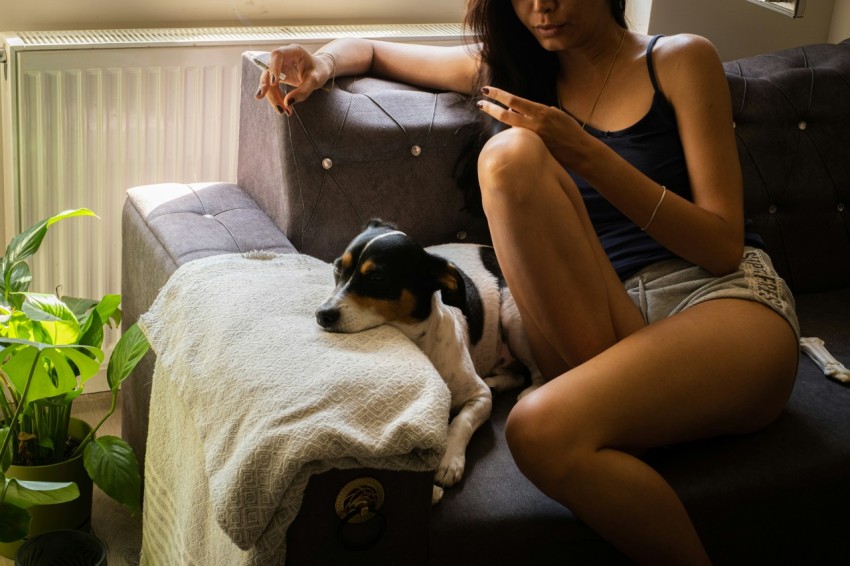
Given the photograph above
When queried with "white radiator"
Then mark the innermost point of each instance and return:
(87, 114)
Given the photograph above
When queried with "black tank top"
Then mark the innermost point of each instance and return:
(653, 146)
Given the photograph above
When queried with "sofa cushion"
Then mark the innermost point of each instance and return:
(779, 496)
(792, 118)
(220, 216)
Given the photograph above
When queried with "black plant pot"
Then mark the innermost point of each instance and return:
(62, 548)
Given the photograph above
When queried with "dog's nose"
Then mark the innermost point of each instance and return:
(327, 316)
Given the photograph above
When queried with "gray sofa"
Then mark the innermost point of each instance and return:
(371, 148)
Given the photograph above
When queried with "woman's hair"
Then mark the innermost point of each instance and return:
(513, 60)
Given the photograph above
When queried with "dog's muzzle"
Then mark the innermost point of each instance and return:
(327, 316)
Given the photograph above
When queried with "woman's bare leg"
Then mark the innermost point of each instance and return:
(631, 386)
(559, 275)
(664, 384)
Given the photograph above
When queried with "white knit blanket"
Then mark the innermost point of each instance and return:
(273, 400)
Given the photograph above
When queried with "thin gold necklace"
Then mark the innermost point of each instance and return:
(604, 83)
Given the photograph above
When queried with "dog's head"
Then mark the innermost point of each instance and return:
(384, 277)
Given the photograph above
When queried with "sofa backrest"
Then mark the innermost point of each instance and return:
(361, 148)
(364, 148)
(792, 122)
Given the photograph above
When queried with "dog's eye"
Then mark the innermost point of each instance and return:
(337, 266)
(375, 275)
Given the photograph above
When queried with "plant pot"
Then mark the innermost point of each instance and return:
(74, 514)
(61, 548)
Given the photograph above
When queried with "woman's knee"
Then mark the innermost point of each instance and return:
(506, 161)
(546, 451)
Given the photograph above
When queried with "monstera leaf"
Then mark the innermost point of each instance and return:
(51, 370)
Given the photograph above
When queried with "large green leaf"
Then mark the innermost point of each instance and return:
(112, 465)
(92, 331)
(25, 494)
(53, 316)
(130, 349)
(93, 322)
(14, 522)
(55, 372)
(25, 245)
(20, 278)
(79, 306)
(19, 326)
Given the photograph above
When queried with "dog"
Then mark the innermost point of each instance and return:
(452, 301)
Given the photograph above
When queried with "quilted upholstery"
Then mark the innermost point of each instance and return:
(795, 155)
(218, 214)
(365, 148)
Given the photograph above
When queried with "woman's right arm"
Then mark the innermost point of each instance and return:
(442, 68)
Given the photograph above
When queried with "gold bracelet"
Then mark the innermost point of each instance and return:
(333, 66)
(657, 206)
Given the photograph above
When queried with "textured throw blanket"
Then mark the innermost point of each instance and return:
(273, 400)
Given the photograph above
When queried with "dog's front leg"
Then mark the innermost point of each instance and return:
(446, 344)
(472, 415)
(444, 339)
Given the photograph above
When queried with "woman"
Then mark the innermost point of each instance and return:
(618, 185)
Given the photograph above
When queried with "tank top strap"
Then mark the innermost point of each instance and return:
(649, 64)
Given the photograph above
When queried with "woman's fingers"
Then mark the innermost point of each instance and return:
(505, 115)
(263, 87)
(511, 109)
(516, 103)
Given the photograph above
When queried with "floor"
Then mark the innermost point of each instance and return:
(111, 522)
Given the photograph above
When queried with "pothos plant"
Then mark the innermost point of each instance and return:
(51, 346)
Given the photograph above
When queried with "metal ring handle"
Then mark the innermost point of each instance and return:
(359, 501)
(349, 544)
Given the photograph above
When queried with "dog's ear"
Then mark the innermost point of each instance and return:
(451, 285)
(378, 223)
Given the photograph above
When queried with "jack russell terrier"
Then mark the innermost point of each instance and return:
(469, 329)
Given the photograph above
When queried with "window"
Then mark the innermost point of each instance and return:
(793, 8)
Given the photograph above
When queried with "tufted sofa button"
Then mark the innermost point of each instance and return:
(415, 151)
(802, 125)
(772, 209)
(840, 207)
(462, 235)
(327, 163)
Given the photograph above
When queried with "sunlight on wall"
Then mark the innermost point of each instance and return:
(102, 14)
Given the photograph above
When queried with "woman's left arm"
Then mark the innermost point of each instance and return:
(692, 78)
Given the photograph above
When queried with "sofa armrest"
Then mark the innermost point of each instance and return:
(163, 227)
(358, 149)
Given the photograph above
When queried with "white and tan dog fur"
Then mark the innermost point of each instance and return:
(452, 301)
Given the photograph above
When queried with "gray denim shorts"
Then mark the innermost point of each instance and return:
(668, 287)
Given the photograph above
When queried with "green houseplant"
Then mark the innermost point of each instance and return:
(51, 346)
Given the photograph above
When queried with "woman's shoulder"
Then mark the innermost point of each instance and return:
(683, 58)
(685, 48)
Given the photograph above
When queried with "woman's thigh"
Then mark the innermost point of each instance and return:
(568, 293)
(725, 366)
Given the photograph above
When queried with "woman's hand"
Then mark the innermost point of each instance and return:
(558, 130)
(296, 67)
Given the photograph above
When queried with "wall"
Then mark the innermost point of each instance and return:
(637, 14)
(839, 30)
(102, 14)
(739, 28)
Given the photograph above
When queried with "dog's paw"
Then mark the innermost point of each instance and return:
(450, 469)
(502, 381)
(526, 391)
(436, 495)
